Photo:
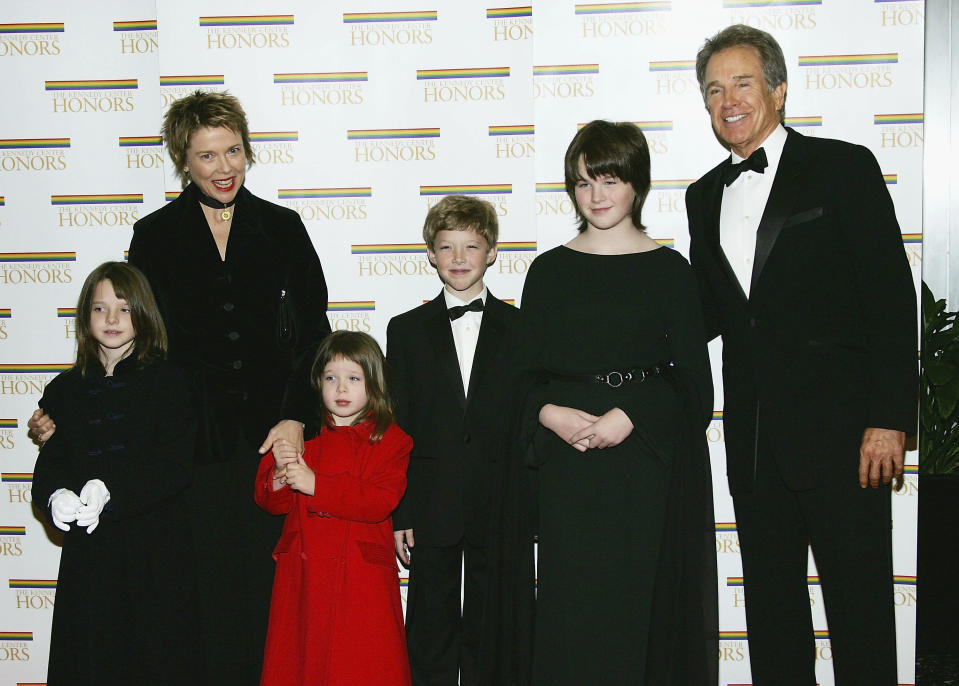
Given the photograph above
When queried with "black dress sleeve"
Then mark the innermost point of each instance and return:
(306, 301)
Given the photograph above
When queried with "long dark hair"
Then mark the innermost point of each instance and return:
(362, 349)
(129, 283)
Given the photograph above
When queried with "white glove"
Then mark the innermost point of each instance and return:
(64, 505)
(94, 496)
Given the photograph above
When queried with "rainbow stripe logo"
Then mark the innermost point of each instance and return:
(910, 469)
(294, 193)
(512, 130)
(9, 424)
(117, 199)
(821, 634)
(249, 20)
(66, 312)
(351, 306)
(619, 7)
(717, 415)
(477, 189)
(420, 248)
(916, 118)
(32, 27)
(666, 242)
(5, 313)
(733, 4)
(662, 125)
(27, 143)
(46, 368)
(725, 527)
(12, 257)
(565, 69)
(912, 238)
(47, 584)
(470, 73)
(12, 531)
(140, 141)
(381, 17)
(15, 635)
(16, 477)
(388, 249)
(171, 195)
(322, 77)
(671, 184)
(509, 12)
(274, 136)
(848, 60)
(673, 65)
(734, 581)
(91, 85)
(551, 187)
(192, 80)
(803, 121)
(732, 635)
(890, 179)
(386, 134)
(904, 580)
(3, 201)
(142, 25)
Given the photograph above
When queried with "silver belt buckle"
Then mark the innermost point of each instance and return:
(610, 376)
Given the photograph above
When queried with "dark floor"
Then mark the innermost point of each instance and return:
(938, 669)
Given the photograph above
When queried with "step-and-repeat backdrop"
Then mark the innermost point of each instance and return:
(365, 113)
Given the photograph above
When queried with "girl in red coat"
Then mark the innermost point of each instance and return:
(335, 615)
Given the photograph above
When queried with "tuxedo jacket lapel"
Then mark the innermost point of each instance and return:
(440, 336)
(782, 198)
(490, 337)
(712, 228)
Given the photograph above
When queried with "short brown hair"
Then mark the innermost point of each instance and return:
(201, 110)
(461, 213)
(610, 149)
(362, 349)
(129, 283)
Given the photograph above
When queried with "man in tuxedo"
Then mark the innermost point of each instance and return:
(799, 257)
(451, 385)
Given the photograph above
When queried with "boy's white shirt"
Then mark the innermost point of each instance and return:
(466, 331)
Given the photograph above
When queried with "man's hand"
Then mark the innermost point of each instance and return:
(403, 539)
(881, 456)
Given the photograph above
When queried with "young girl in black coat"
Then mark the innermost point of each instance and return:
(112, 478)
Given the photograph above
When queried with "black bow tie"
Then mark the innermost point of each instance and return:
(756, 162)
(458, 311)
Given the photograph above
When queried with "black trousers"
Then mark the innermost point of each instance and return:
(443, 639)
(849, 529)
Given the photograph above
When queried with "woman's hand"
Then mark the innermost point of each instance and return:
(609, 430)
(568, 422)
(300, 478)
(288, 429)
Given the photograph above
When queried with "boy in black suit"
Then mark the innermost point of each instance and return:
(449, 360)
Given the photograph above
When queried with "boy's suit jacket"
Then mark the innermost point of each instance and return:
(459, 435)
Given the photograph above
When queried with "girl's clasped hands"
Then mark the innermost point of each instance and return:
(290, 469)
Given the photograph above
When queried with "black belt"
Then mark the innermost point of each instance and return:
(615, 378)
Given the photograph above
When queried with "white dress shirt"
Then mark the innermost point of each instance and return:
(466, 331)
(744, 202)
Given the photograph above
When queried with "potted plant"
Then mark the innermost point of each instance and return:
(938, 532)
